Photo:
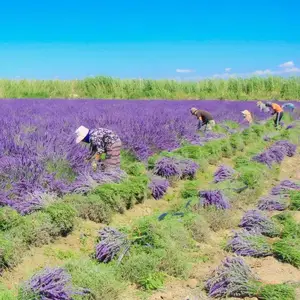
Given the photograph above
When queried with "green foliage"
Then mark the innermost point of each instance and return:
(11, 250)
(251, 173)
(100, 279)
(123, 195)
(236, 142)
(91, 207)
(190, 189)
(295, 200)
(62, 169)
(290, 228)
(154, 281)
(36, 229)
(140, 266)
(274, 291)
(101, 87)
(9, 218)
(199, 228)
(6, 294)
(218, 219)
(62, 217)
(288, 250)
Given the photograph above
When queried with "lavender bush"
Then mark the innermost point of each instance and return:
(112, 242)
(213, 198)
(158, 187)
(288, 146)
(249, 243)
(223, 173)
(256, 220)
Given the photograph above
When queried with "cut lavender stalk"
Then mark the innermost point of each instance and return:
(249, 243)
(213, 198)
(256, 220)
(167, 167)
(111, 243)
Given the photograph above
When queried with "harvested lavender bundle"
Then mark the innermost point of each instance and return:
(284, 187)
(170, 167)
(231, 279)
(167, 167)
(223, 173)
(256, 220)
(111, 243)
(213, 198)
(249, 243)
(158, 187)
(50, 284)
(188, 168)
(272, 203)
(288, 146)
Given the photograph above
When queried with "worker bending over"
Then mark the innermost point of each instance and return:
(288, 106)
(204, 118)
(247, 116)
(262, 107)
(277, 111)
(101, 141)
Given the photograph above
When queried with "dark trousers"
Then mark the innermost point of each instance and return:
(278, 118)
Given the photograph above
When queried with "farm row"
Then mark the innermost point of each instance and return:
(160, 247)
(109, 88)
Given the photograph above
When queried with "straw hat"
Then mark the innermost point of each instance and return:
(81, 133)
(193, 110)
(246, 112)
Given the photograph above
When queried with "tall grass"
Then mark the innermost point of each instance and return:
(110, 88)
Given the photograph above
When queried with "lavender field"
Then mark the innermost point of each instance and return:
(48, 188)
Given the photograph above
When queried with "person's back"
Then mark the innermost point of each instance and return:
(277, 108)
(204, 115)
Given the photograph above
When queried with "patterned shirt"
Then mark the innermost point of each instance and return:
(102, 138)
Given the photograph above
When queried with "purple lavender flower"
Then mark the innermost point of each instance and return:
(231, 279)
(50, 284)
(249, 243)
(272, 203)
(256, 220)
(158, 187)
(213, 198)
(111, 243)
(223, 173)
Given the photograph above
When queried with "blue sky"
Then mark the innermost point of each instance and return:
(149, 39)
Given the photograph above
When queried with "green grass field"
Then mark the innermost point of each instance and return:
(278, 88)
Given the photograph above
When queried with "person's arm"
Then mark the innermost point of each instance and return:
(200, 122)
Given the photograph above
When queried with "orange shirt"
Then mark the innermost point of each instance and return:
(277, 108)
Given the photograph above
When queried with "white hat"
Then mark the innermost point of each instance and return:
(81, 133)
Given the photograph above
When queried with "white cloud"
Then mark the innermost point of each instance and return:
(292, 70)
(263, 72)
(185, 71)
(227, 70)
(288, 64)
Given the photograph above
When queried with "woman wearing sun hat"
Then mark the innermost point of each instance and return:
(247, 116)
(101, 141)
